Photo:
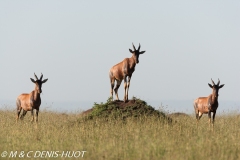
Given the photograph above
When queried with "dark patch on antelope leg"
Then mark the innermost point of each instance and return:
(197, 116)
(19, 108)
(112, 86)
(23, 114)
(214, 113)
(116, 90)
(37, 110)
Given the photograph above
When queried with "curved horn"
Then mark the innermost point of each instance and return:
(218, 82)
(134, 47)
(212, 82)
(36, 76)
(139, 47)
(41, 76)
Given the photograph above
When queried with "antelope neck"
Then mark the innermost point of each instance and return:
(36, 95)
(214, 98)
(132, 61)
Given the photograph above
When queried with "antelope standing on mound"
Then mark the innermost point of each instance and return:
(206, 105)
(123, 70)
(31, 101)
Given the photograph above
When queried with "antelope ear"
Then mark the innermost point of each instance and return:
(131, 51)
(45, 80)
(210, 85)
(32, 80)
(221, 86)
(142, 52)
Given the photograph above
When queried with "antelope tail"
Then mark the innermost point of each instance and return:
(18, 104)
(195, 106)
(110, 74)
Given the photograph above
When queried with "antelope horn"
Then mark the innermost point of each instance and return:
(134, 47)
(36, 76)
(41, 76)
(212, 82)
(218, 82)
(139, 47)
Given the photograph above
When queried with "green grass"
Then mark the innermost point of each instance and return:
(144, 137)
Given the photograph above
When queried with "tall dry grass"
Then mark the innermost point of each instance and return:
(145, 138)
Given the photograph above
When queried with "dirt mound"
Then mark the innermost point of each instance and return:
(87, 112)
(122, 110)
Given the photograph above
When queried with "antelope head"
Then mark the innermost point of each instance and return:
(215, 87)
(136, 53)
(38, 83)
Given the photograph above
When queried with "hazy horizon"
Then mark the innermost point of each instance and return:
(168, 106)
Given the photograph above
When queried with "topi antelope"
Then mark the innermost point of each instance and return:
(31, 101)
(206, 105)
(123, 70)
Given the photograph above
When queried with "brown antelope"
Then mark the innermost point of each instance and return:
(123, 70)
(206, 105)
(31, 101)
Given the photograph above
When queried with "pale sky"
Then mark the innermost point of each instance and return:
(75, 43)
